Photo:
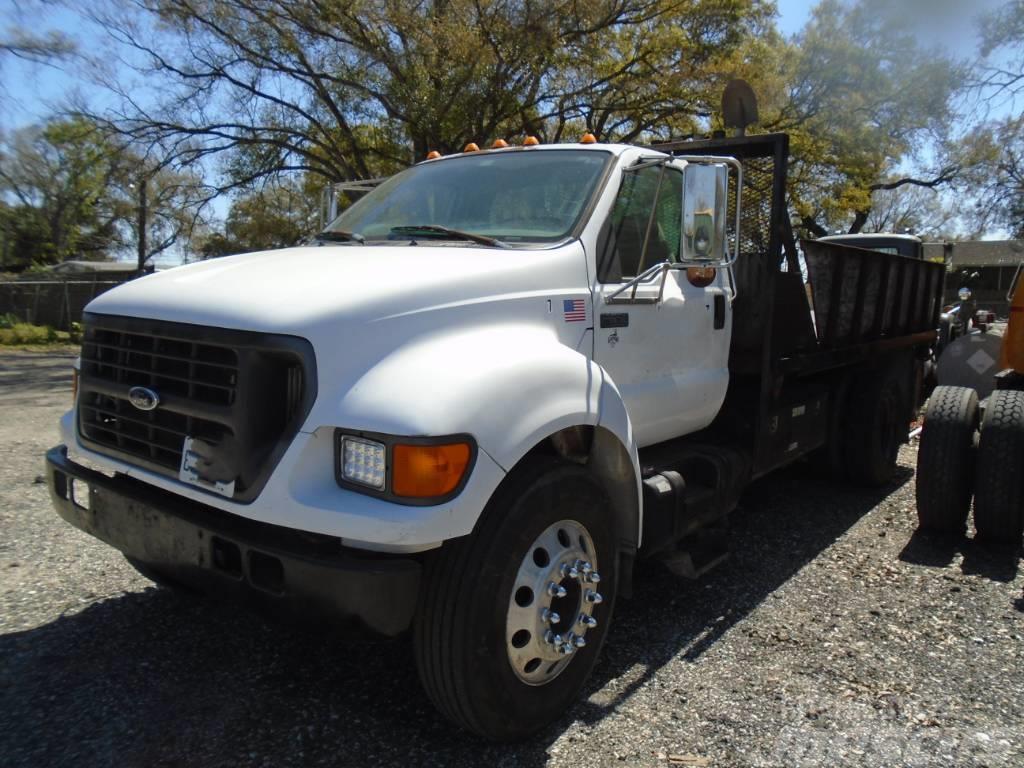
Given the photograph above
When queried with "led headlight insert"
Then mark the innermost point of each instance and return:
(363, 461)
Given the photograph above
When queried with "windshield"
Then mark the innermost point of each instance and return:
(518, 196)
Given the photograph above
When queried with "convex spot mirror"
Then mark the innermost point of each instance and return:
(705, 207)
(964, 294)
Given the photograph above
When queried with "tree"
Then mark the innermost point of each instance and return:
(351, 89)
(55, 180)
(859, 99)
(994, 184)
(40, 47)
(1002, 35)
(72, 192)
(278, 215)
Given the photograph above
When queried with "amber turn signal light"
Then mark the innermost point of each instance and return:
(428, 471)
(433, 154)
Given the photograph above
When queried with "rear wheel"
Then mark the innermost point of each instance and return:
(876, 424)
(945, 460)
(511, 617)
(999, 496)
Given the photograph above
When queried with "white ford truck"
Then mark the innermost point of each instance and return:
(465, 408)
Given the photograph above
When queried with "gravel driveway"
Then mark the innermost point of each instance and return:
(832, 637)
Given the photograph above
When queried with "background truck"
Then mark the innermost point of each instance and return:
(972, 443)
(487, 388)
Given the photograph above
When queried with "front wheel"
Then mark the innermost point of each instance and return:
(511, 618)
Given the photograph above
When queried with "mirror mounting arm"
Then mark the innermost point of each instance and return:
(663, 267)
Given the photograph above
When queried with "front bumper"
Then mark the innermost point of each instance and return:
(301, 574)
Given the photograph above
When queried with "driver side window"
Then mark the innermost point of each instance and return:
(623, 239)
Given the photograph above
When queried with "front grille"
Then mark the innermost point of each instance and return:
(194, 372)
(241, 394)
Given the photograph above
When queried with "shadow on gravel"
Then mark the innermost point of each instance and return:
(31, 379)
(152, 678)
(978, 560)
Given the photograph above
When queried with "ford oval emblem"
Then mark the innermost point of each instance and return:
(143, 398)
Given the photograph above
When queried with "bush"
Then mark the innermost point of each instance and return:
(24, 333)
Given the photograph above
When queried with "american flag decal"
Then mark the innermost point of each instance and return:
(574, 310)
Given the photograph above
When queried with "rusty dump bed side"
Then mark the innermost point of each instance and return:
(865, 298)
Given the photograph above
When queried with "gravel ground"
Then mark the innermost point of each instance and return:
(831, 637)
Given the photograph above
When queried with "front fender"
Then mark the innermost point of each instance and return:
(508, 386)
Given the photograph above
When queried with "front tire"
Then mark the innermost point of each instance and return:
(487, 652)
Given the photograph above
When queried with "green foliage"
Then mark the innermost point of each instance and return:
(860, 100)
(17, 334)
(69, 190)
(277, 216)
(55, 181)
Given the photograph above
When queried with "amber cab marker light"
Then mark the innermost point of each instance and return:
(433, 154)
(530, 141)
(428, 471)
(499, 144)
(471, 147)
(588, 138)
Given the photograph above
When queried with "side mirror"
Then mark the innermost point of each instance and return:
(705, 208)
(964, 293)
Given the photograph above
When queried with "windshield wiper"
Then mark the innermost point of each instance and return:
(340, 236)
(434, 229)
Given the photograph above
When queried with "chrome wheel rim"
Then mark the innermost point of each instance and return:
(551, 607)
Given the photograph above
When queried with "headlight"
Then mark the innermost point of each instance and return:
(407, 470)
(363, 461)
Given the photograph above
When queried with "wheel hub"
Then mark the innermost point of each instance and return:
(552, 603)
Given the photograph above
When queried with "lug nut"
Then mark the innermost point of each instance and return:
(594, 577)
(586, 621)
(566, 649)
(549, 617)
(552, 639)
(569, 571)
(556, 590)
(584, 567)
(579, 641)
(593, 597)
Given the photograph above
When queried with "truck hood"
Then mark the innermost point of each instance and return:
(319, 291)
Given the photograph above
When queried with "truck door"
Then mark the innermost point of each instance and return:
(666, 349)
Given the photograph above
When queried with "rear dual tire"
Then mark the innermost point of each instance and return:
(945, 461)
(999, 496)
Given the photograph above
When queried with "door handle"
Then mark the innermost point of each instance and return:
(719, 311)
